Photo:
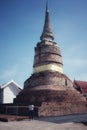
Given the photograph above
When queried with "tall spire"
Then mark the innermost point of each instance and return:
(47, 6)
(47, 32)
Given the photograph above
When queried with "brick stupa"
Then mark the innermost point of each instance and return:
(48, 87)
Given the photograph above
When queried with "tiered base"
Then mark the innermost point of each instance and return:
(53, 94)
(54, 102)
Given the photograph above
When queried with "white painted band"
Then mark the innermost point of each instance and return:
(51, 67)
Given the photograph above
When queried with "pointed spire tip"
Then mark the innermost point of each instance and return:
(47, 32)
(47, 10)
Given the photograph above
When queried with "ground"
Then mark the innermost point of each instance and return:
(40, 125)
(70, 122)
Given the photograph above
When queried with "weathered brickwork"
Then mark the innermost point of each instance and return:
(48, 78)
(47, 57)
(51, 91)
(52, 102)
(44, 48)
(47, 53)
(53, 108)
(68, 97)
(48, 88)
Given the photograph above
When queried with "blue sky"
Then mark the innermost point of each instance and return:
(21, 25)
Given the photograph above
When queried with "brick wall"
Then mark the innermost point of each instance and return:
(52, 102)
(47, 53)
(48, 78)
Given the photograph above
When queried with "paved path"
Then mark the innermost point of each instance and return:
(77, 118)
(40, 125)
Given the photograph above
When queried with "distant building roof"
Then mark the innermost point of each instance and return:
(9, 91)
(81, 86)
(11, 82)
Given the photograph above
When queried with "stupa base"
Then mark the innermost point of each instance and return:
(53, 102)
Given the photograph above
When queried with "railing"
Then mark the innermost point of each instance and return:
(17, 110)
(14, 110)
(24, 110)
